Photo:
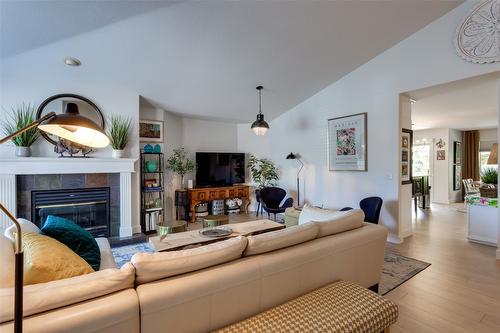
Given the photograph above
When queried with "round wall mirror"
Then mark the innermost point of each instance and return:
(57, 104)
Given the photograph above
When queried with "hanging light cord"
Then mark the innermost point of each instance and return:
(260, 101)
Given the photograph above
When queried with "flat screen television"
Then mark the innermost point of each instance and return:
(219, 169)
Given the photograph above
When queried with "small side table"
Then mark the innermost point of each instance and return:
(215, 220)
(171, 227)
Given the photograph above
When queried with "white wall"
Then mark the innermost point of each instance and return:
(405, 190)
(424, 59)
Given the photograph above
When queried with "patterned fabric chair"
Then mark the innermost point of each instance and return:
(469, 187)
(271, 198)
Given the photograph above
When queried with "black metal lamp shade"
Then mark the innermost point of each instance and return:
(73, 127)
(260, 126)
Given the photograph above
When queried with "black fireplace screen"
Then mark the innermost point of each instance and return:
(89, 208)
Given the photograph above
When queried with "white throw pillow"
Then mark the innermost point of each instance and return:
(26, 226)
(310, 213)
(7, 259)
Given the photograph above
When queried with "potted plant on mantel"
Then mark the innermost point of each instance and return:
(264, 173)
(180, 164)
(22, 116)
(118, 134)
(488, 189)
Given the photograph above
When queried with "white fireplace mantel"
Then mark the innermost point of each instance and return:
(10, 168)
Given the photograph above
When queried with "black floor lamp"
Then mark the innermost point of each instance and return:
(69, 125)
(293, 156)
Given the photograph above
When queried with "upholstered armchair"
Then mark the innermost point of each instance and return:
(271, 198)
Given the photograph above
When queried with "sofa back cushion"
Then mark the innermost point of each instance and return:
(310, 213)
(344, 221)
(154, 266)
(279, 239)
(43, 297)
(7, 258)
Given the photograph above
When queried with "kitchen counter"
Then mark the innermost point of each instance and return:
(482, 220)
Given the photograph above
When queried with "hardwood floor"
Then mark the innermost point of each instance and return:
(460, 291)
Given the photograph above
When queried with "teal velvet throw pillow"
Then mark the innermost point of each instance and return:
(75, 237)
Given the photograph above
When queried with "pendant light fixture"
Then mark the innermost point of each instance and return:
(260, 126)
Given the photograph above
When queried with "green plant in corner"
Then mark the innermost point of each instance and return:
(119, 131)
(263, 171)
(21, 116)
(180, 164)
(489, 176)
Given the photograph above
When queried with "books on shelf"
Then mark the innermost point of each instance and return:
(152, 219)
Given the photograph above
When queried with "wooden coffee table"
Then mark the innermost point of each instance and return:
(180, 240)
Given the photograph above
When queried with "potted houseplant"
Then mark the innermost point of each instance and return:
(264, 173)
(22, 116)
(488, 189)
(180, 164)
(118, 134)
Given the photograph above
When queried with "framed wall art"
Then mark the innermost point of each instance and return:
(441, 155)
(406, 155)
(457, 152)
(347, 149)
(150, 131)
(457, 177)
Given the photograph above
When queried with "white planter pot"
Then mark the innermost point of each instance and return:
(23, 151)
(117, 153)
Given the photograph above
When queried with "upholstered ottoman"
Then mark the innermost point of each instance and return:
(340, 307)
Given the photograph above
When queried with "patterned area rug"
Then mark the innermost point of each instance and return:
(397, 268)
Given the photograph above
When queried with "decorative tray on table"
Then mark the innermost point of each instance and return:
(216, 232)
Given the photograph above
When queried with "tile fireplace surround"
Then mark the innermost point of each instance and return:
(11, 168)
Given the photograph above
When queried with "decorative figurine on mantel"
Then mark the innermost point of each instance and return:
(72, 148)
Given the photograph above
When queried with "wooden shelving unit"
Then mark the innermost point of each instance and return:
(152, 193)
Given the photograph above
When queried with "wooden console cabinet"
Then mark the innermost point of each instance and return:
(198, 195)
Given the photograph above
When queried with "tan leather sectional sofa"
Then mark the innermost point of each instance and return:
(209, 287)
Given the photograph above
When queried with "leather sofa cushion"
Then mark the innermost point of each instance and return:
(107, 259)
(279, 239)
(155, 266)
(46, 259)
(7, 259)
(56, 294)
(310, 213)
(345, 221)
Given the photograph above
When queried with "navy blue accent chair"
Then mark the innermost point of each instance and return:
(371, 206)
(271, 198)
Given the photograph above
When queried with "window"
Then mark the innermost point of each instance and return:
(421, 160)
(483, 158)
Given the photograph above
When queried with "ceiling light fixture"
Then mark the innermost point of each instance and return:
(70, 61)
(260, 126)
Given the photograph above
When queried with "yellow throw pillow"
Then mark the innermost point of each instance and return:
(46, 259)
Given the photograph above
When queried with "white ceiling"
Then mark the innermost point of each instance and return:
(465, 104)
(205, 58)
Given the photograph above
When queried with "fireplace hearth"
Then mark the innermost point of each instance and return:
(87, 207)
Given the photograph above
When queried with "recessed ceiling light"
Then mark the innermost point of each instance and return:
(70, 61)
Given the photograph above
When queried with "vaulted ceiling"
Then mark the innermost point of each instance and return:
(205, 58)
